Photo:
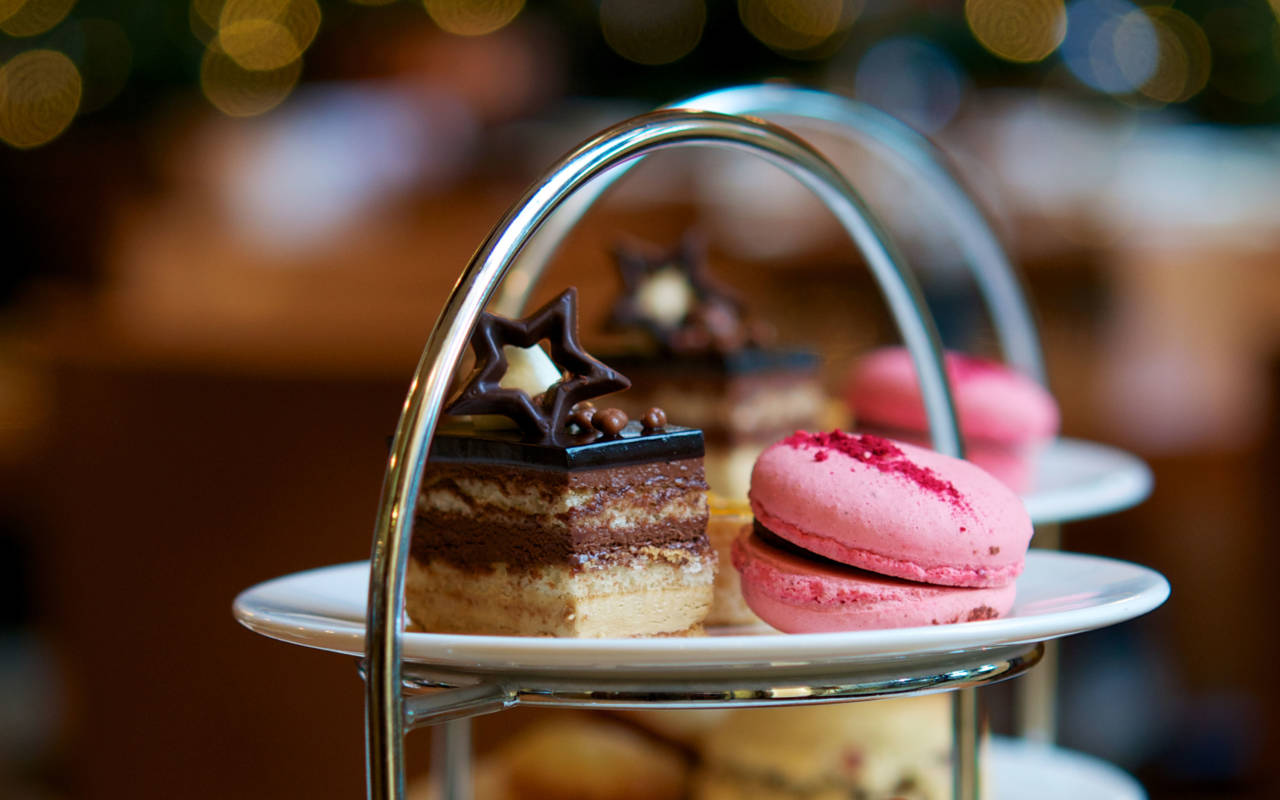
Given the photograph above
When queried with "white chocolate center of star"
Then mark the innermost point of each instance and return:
(530, 369)
(665, 297)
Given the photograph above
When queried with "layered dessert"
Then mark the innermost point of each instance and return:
(566, 520)
(689, 343)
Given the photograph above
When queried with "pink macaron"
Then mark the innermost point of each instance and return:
(891, 508)
(1005, 417)
(916, 537)
(797, 594)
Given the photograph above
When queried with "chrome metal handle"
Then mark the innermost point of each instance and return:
(594, 160)
(890, 138)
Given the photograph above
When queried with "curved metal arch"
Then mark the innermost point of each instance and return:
(594, 160)
(900, 145)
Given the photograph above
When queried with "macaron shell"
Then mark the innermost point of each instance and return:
(801, 595)
(858, 513)
(1014, 465)
(993, 402)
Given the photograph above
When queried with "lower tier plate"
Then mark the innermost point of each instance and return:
(1018, 769)
(1058, 594)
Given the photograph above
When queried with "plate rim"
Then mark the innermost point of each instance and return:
(1131, 483)
(471, 652)
(1002, 750)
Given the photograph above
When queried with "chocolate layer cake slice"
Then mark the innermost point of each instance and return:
(692, 345)
(569, 523)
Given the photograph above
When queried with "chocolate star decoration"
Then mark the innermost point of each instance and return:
(714, 317)
(543, 419)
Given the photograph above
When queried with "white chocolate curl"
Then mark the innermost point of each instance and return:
(528, 368)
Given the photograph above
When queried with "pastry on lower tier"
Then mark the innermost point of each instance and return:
(895, 749)
(578, 756)
(576, 523)
(583, 757)
(1005, 417)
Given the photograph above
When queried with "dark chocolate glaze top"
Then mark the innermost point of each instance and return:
(633, 446)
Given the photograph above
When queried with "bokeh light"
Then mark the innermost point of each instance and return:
(263, 35)
(653, 33)
(472, 17)
(913, 79)
(39, 96)
(795, 26)
(32, 17)
(10, 7)
(1096, 39)
(240, 92)
(1182, 59)
(1017, 30)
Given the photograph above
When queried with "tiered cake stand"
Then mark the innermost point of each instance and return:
(418, 679)
(1073, 479)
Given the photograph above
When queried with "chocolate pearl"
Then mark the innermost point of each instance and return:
(582, 414)
(655, 419)
(610, 421)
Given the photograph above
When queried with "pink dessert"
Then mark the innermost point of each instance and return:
(919, 537)
(1005, 417)
(796, 594)
(891, 508)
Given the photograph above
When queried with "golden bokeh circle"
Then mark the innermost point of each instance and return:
(814, 18)
(796, 25)
(265, 35)
(258, 44)
(39, 96)
(32, 17)
(472, 17)
(240, 92)
(653, 33)
(10, 7)
(1184, 58)
(1023, 31)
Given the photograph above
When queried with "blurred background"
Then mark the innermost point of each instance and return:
(227, 226)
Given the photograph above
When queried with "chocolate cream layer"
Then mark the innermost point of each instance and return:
(477, 515)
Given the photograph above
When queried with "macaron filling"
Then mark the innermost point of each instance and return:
(796, 592)
(942, 574)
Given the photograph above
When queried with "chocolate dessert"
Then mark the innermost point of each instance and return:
(693, 346)
(568, 520)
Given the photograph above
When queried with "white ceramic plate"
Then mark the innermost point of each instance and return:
(1018, 769)
(1077, 479)
(1058, 594)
